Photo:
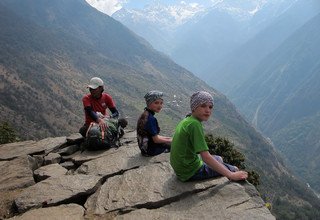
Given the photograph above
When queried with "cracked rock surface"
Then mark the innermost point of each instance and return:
(117, 183)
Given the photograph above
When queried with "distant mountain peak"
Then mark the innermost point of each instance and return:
(161, 14)
(174, 15)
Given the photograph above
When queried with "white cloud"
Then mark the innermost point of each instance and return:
(107, 6)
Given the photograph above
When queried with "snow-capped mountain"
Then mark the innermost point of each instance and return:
(164, 15)
(160, 23)
(160, 15)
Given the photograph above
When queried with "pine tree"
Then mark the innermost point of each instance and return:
(224, 148)
(7, 133)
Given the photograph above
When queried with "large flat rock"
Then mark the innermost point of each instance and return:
(62, 212)
(152, 185)
(14, 150)
(56, 190)
(226, 201)
(118, 160)
(51, 170)
(15, 174)
(129, 140)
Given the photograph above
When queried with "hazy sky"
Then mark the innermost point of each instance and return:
(111, 6)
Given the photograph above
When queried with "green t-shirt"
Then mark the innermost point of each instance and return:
(188, 141)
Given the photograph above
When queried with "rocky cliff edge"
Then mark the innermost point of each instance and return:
(53, 179)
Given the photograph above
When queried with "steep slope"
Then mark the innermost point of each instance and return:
(283, 100)
(201, 43)
(238, 66)
(124, 61)
(51, 49)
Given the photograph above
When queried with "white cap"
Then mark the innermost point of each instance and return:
(95, 82)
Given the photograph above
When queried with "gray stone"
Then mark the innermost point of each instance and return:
(62, 212)
(15, 174)
(75, 139)
(52, 158)
(153, 184)
(51, 170)
(123, 158)
(35, 161)
(225, 201)
(70, 157)
(85, 156)
(52, 144)
(39, 159)
(129, 136)
(104, 165)
(14, 150)
(129, 140)
(68, 165)
(56, 190)
(69, 150)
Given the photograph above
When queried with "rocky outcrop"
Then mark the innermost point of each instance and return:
(117, 183)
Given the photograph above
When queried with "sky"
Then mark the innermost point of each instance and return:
(111, 6)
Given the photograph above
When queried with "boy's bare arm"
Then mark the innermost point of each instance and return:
(220, 168)
(161, 139)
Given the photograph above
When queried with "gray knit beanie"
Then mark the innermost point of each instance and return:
(153, 96)
(199, 98)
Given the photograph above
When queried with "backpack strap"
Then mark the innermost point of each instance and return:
(91, 124)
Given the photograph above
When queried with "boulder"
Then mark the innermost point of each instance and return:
(16, 174)
(69, 150)
(147, 186)
(52, 158)
(123, 158)
(225, 201)
(68, 165)
(56, 190)
(51, 170)
(35, 161)
(14, 150)
(80, 158)
(154, 192)
(75, 139)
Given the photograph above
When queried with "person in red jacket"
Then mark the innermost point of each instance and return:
(95, 105)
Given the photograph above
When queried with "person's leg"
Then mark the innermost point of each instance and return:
(230, 167)
(157, 149)
(167, 147)
(218, 158)
(205, 172)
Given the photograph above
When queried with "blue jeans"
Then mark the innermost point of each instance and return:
(157, 149)
(205, 172)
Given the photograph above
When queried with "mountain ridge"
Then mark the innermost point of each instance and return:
(288, 84)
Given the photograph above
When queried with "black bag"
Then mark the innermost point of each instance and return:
(98, 140)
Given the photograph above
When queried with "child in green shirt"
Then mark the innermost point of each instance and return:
(189, 156)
